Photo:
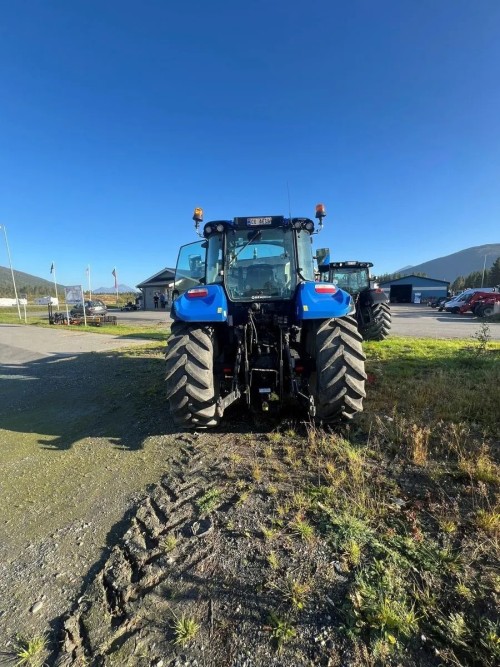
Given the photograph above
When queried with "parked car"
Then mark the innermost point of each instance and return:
(435, 302)
(453, 305)
(94, 307)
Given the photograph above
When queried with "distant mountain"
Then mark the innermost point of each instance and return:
(25, 284)
(33, 286)
(122, 289)
(461, 263)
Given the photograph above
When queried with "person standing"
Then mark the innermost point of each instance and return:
(163, 300)
(156, 299)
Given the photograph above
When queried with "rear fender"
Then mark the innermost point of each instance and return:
(370, 297)
(206, 303)
(313, 305)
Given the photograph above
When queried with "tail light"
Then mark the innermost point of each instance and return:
(324, 288)
(197, 293)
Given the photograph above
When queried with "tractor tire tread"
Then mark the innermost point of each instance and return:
(340, 370)
(189, 376)
(380, 326)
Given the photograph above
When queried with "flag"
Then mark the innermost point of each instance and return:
(52, 267)
(113, 273)
(87, 270)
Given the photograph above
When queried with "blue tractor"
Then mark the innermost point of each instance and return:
(373, 312)
(251, 324)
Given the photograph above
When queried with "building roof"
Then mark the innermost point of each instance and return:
(166, 275)
(421, 279)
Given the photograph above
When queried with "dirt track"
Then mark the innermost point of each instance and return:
(82, 436)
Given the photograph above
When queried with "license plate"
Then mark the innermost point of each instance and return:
(256, 222)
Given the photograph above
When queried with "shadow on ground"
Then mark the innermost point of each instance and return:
(116, 396)
(69, 397)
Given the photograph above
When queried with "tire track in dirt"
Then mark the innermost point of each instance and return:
(195, 549)
(108, 615)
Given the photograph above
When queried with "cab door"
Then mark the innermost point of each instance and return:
(191, 267)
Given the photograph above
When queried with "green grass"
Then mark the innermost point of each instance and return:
(282, 631)
(157, 331)
(451, 380)
(405, 501)
(185, 630)
(31, 651)
(209, 501)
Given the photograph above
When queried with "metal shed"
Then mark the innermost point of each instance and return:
(159, 283)
(414, 289)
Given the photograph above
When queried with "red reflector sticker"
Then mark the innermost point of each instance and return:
(325, 289)
(197, 292)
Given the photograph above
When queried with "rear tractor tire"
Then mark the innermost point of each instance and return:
(380, 324)
(192, 390)
(338, 384)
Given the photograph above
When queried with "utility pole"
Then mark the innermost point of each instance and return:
(484, 268)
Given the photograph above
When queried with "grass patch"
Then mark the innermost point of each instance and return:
(403, 505)
(433, 380)
(185, 630)
(146, 331)
(209, 501)
(31, 651)
(282, 631)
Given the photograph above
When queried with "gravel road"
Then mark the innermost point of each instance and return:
(84, 430)
(420, 321)
(20, 343)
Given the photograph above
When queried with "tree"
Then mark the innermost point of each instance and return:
(474, 279)
(386, 277)
(493, 277)
(458, 284)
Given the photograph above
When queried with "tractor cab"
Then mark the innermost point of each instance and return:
(255, 258)
(351, 276)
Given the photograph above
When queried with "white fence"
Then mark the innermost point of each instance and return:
(8, 302)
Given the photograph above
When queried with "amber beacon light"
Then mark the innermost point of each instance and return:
(320, 211)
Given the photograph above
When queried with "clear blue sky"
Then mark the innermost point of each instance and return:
(117, 118)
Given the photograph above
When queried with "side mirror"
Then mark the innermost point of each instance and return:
(323, 256)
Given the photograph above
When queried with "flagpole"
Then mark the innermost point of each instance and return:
(88, 276)
(116, 283)
(55, 281)
(11, 270)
